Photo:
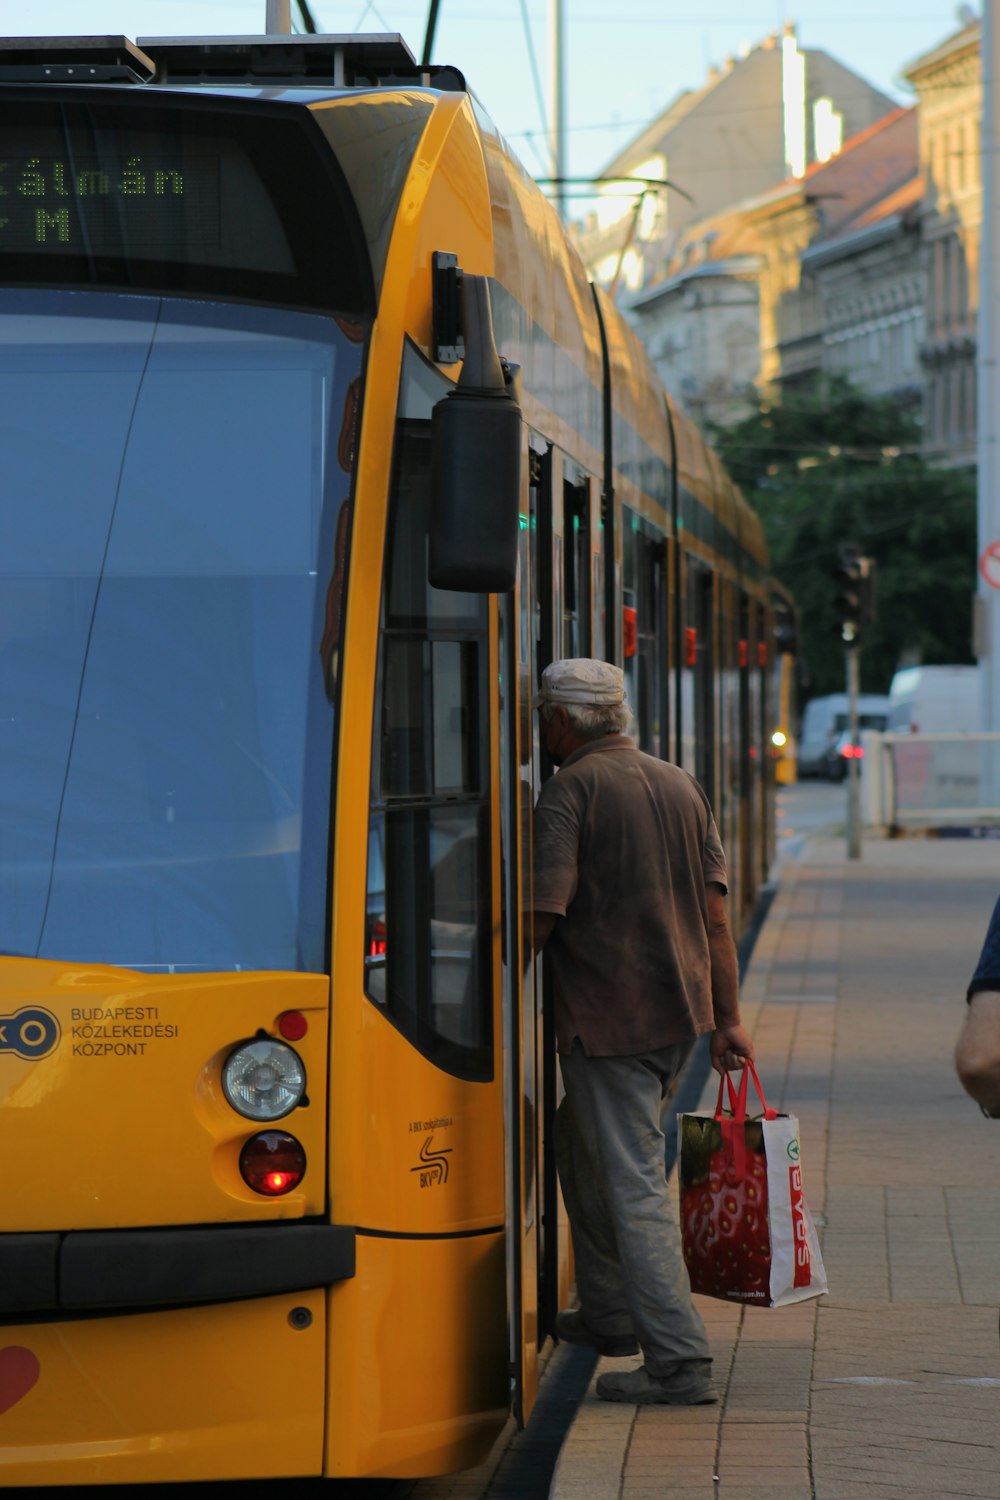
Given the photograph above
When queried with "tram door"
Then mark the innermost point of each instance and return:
(747, 751)
(700, 659)
(566, 629)
(644, 562)
(527, 647)
(763, 717)
(571, 564)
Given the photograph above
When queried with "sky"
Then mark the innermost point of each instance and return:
(625, 60)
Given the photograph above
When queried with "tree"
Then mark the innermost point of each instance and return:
(836, 466)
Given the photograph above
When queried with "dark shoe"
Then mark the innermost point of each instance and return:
(572, 1329)
(688, 1385)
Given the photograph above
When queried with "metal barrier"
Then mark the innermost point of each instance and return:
(931, 780)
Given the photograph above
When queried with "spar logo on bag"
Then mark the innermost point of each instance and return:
(800, 1223)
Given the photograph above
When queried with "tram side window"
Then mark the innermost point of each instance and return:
(428, 902)
(576, 569)
(644, 604)
(701, 677)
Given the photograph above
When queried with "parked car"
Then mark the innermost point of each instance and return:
(825, 723)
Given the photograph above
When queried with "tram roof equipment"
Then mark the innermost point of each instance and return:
(343, 61)
(73, 59)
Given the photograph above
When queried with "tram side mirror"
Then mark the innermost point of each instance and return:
(476, 463)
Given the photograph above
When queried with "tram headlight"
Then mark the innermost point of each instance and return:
(779, 739)
(263, 1080)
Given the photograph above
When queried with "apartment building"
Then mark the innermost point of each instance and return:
(948, 85)
(822, 272)
(758, 119)
(829, 216)
(824, 237)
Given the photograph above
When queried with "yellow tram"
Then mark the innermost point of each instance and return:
(784, 736)
(276, 1075)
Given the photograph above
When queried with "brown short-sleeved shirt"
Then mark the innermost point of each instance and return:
(625, 846)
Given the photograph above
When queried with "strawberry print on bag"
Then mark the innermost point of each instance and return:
(727, 1245)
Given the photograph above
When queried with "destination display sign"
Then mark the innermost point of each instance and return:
(98, 205)
(240, 199)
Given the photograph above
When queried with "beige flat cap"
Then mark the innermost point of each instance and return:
(581, 679)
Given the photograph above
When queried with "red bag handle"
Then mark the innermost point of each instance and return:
(738, 1097)
(724, 1082)
(733, 1137)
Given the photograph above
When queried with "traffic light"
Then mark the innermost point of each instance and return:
(847, 602)
(855, 599)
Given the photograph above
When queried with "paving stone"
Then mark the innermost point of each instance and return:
(858, 1489)
(706, 1491)
(740, 1490)
(640, 1490)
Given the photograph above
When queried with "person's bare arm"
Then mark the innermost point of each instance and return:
(977, 1055)
(730, 1042)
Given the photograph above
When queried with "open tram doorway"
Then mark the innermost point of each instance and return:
(526, 634)
(551, 615)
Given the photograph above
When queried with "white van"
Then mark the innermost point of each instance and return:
(823, 723)
(934, 700)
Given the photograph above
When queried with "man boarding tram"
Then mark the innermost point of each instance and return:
(629, 900)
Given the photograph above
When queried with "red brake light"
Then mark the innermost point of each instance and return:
(272, 1163)
(292, 1025)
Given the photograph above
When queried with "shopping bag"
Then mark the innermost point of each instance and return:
(747, 1233)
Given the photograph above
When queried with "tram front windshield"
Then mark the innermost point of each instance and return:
(171, 569)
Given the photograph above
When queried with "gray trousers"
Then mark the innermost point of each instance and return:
(630, 1271)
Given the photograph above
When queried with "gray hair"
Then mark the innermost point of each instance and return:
(592, 721)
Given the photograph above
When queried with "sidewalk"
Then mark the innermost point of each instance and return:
(889, 1387)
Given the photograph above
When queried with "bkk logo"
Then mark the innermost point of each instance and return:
(30, 1032)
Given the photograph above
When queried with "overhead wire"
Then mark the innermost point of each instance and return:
(371, 6)
(533, 62)
(307, 18)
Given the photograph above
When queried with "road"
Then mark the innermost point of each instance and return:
(807, 808)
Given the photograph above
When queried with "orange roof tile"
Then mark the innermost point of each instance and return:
(871, 164)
